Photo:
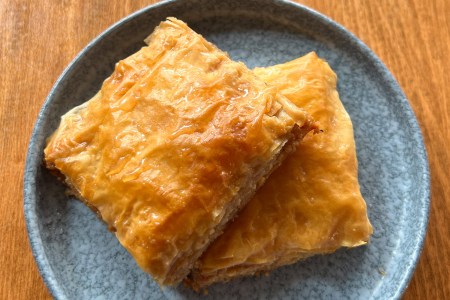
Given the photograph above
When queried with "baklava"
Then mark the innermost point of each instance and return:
(312, 203)
(173, 145)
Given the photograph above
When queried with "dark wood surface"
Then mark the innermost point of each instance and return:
(39, 38)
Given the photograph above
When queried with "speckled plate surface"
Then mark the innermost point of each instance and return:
(79, 259)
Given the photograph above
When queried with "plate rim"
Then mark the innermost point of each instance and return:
(31, 164)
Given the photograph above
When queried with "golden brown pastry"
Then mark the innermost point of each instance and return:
(173, 145)
(312, 203)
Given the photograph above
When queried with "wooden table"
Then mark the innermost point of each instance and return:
(39, 38)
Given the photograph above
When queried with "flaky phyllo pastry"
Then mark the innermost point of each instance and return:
(312, 203)
(173, 145)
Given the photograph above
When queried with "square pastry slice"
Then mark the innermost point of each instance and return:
(312, 203)
(173, 145)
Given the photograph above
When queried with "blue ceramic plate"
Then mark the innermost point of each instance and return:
(79, 258)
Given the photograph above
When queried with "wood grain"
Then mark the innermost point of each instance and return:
(39, 38)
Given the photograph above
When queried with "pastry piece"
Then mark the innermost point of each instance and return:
(174, 144)
(310, 205)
